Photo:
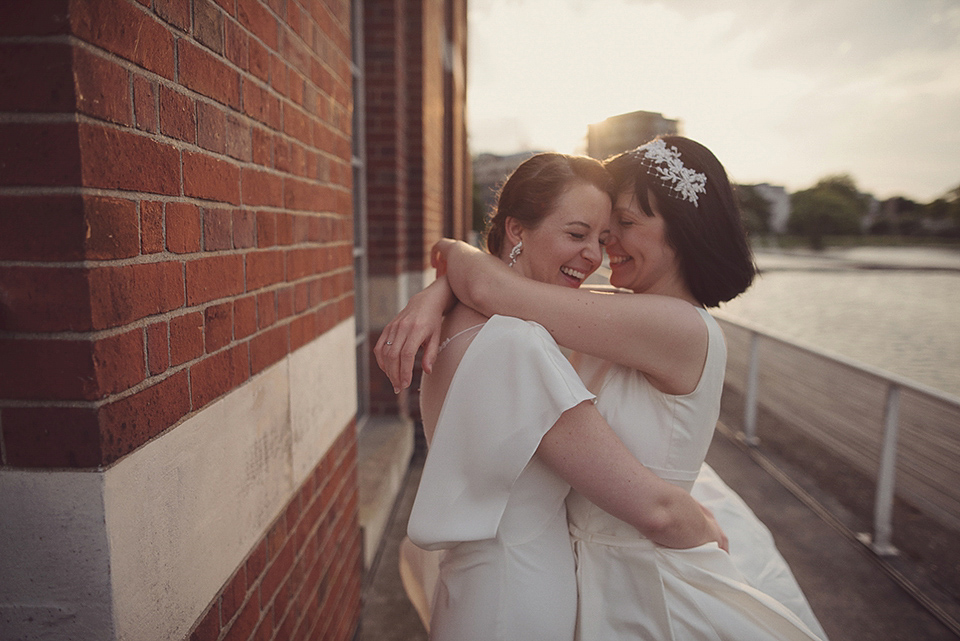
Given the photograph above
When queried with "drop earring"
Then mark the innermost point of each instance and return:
(515, 253)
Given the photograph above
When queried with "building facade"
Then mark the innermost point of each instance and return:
(201, 232)
(490, 171)
(626, 131)
(779, 200)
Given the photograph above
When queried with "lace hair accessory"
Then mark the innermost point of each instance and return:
(665, 163)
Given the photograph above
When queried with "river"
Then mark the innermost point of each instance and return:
(897, 309)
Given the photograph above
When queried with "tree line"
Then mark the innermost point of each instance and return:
(836, 207)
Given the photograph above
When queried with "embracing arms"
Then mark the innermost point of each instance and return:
(583, 450)
(661, 336)
(580, 447)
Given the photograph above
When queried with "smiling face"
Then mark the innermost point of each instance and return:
(566, 246)
(641, 259)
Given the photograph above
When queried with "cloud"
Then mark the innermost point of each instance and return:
(783, 91)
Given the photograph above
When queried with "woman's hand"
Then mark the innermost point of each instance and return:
(471, 273)
(715, 531)
(439, 253)
(418, 324)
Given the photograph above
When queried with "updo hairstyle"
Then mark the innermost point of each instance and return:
(531, 191)
(708, 236)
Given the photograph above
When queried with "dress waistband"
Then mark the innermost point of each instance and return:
(609, 539)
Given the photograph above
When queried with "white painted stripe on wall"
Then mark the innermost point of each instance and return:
(184, 511)
(322, 370)
(181, 513)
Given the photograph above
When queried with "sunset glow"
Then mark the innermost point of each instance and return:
(783, 91)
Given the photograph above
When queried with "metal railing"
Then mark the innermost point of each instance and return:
(901, 431)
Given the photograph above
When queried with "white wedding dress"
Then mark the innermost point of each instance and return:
(632, 589)
(496, 516)
(507, 572)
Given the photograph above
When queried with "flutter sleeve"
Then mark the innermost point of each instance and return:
(511, 386)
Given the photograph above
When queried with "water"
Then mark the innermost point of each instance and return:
(901, 315)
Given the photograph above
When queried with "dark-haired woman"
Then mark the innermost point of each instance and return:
(656, 363)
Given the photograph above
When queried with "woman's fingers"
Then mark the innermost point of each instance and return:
(417, 325)
(405, 362)
(400, 357)
(424, 336)
(378, 348)
(392, 342)
(396, 350)
(430, 351)
(718, 534)
(384, 353)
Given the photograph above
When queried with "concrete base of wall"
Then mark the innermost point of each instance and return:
(138, 550)
(385, 446)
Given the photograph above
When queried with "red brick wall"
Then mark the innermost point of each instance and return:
(302, 580)
(385, 74)
(417, 158)
(175, 216)
(174, 210)
(407, 134)
(416, 110)
(434, 136)
(459, 183)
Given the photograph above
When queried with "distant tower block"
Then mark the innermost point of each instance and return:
(626, 131)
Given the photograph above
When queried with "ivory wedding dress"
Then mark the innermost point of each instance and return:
(632, 589)
(507, 572)
(496, 516)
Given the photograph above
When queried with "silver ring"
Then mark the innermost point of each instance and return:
(389, 342)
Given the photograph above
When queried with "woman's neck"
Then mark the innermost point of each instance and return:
(675, 288)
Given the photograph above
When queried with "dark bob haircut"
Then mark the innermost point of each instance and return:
(708, 236)
(532, 190)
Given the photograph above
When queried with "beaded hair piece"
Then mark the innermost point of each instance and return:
(664, 162)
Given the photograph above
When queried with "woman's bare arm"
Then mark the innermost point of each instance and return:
(583, 450)
(661, 336)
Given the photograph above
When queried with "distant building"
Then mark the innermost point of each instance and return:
(884, 217)
(779, 201)
(489, 173)
(626, 131)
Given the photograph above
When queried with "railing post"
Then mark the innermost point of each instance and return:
(750, 402)
(883, 508)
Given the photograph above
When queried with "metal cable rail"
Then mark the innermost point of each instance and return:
(903, 432)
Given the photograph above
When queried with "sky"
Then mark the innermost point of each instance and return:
(782, 91)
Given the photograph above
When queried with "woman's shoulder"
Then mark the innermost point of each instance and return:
(461, 317)
(713, 327)
(518, 327)
(499, 328)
